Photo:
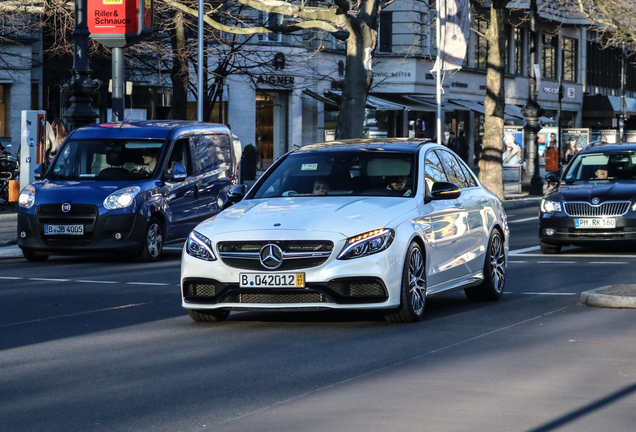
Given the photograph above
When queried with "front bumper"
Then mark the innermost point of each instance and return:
(99, 232)
(567, 233)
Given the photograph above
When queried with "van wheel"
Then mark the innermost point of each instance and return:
(413, 293)
(34, 256)
(153, 242)
(548, 249)
(208, 315)
(492, 287)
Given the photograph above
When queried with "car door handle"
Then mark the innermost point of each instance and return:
(458, 204)
(483, 200)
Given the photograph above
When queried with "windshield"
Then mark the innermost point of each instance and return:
(603, 167)
(338, 173)
(98, 159)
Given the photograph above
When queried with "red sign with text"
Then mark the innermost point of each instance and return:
(114, 16)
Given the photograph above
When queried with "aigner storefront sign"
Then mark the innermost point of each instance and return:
(281, 80)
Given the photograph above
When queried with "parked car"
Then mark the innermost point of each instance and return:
(593, 202)
(127, 188)
(353, 224)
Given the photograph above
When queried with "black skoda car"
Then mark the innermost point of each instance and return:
(594, 201)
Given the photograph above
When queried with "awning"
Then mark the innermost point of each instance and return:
(607, 106)
(516, 111)
(320, 98)
(479, 108)
(372, 102)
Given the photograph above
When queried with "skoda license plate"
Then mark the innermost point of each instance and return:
(596, 223)
(64, 229)
(272, 280)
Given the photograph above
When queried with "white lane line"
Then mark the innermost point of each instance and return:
(524, 220)
(97, 281)
(11, 277)
(50, 279)
(549, 293)
(147, 283)
(84, 313)
(556, 262)
(520, 251)
(608, 262)
(517, 262)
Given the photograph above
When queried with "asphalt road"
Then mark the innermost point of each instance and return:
(99, 344)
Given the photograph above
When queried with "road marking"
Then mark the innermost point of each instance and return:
(520, 251)
(608, 262)
(577, 256)
(96, 281)
(556, 262)
(549, 293)
(524, 220)
(11, 277)
(517, 262)
(50, 279)
(147, 283)
(84, 313)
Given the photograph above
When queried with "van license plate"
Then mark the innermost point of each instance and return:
(272, 280)
(595, 223)
(64, 229)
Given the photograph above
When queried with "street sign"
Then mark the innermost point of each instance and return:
(119, 23)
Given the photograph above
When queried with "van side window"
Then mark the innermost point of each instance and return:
(214, 152)
(179, 155)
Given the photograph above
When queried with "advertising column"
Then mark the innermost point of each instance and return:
(32, 144)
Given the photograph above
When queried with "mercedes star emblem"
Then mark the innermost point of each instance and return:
(271, 256)
(595, 201)
(66, 207)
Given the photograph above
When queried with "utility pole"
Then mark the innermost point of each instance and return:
(621, 121)
(532, 182)
(82, 87)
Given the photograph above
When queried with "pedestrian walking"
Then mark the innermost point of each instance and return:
(462, 146)
(452, 142)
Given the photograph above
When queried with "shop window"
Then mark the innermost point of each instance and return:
(3, 101)
(385, 35)
(570, 59)
(548, 57)
(519, 42)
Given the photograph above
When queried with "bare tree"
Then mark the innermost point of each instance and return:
(617, 17)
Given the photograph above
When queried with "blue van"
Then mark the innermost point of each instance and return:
(127, 188)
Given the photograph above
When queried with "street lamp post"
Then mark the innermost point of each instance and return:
(81, 85)
(532, 182)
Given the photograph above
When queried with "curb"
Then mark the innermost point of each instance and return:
(594, 299)
(10, 252)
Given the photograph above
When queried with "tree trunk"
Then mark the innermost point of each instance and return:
(358, 78)
(490, 164)
(179, 73)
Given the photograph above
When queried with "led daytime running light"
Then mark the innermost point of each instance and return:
(367, 235)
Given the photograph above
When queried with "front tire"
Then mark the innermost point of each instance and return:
(413, 293)
(548, 249)
(491, 289)
(153, 241)
(34, 256)
(208, 315)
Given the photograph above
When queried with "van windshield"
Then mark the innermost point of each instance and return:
(106, 159)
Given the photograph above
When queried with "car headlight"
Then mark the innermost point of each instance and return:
(368, 243)
(27, 197)
(549, 206)
(121, 198)
(199, 246)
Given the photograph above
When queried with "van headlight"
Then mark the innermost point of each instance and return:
(367, 244)
(549, 206)
(121, 198)
(27, 197)
(199, 246)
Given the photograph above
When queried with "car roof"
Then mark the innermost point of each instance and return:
(596, 146)
(151, 129)
(407, 145)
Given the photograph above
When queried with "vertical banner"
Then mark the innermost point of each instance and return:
(454, 17)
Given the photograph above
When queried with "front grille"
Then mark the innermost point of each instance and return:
(297, 254)
(79, 214)
(269, 297)
(612, 208)
(358, 289)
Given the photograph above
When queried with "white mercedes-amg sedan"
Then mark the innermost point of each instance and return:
(352, 224)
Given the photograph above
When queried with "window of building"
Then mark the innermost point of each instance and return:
(266, 20)
(3, 103)
(548, 56)
(481, 45)
(519, 42)
(570, 59)
(385, 35)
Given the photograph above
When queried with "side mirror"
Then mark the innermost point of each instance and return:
(178, 173)
(37, 171)
(552, 177)
(237, 193)
(443, 191)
